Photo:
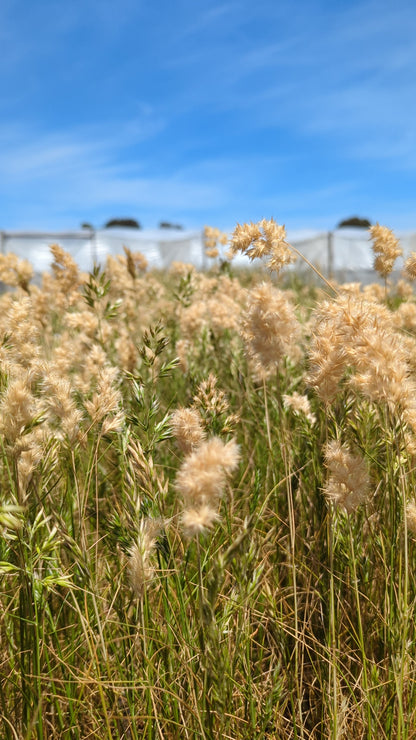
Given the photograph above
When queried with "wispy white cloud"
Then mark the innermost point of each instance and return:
(64, 173)
(59, 180)
(202, 109)
(345, 73)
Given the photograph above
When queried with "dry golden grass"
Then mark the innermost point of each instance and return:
(207, 509)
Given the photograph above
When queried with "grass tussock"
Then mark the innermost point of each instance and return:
(207, 507)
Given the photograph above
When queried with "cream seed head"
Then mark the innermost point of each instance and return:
(23, 331)
(354, 333)
(27, 462)
(181, 269)
(264, 239)
(107, 399)
(58, 394)
(386, 249)
(201, 480)
(410, 266)
(348, 484)
(135, 262)
(59, 405)
(246, 239)
(141, 569)
(18, 408)
(197, 521)
(209, 398)
(269, 327)
(327, 363)
(67, 277)
(300, 405)
(212, 239)
(194, 319)
(187, 429)
(203, 474)
(15, 271)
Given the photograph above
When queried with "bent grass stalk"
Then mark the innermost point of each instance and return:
(315, 270)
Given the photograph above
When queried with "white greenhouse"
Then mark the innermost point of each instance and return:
(344, 254)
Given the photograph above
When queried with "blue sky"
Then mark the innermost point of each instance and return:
(207, 112)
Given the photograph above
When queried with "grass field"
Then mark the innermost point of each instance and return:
(207, 500)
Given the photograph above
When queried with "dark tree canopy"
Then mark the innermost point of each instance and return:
(363, 223)
(87, 225)
(129, 223)
(169, 225)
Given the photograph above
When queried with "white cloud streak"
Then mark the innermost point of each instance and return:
(332, 78)
(63, 173)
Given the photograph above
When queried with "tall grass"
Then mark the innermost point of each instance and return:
(207, 508)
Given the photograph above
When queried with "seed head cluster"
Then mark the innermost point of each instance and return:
(410, 266)
(15, 271)
(348, 484)
(265, 239)
(187, 428)
(201, 481)
(351, 333)
(300, 405)
(386, 249)
(213, 237)
(141, 568)
(268, 326)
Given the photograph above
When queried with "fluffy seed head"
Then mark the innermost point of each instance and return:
(269, 326)
(348, 485)
(65, 271)
(187, 428)
(263, 239)
(351, 332)
(141, 570)
(18, 408)
(197, 521)
(15, 271)
(203, 474)
(300, 405)
(410, 266)
(386, 248)
(209, 398)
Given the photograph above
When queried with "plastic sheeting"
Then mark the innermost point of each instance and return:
(345, 254)
(160, 247)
